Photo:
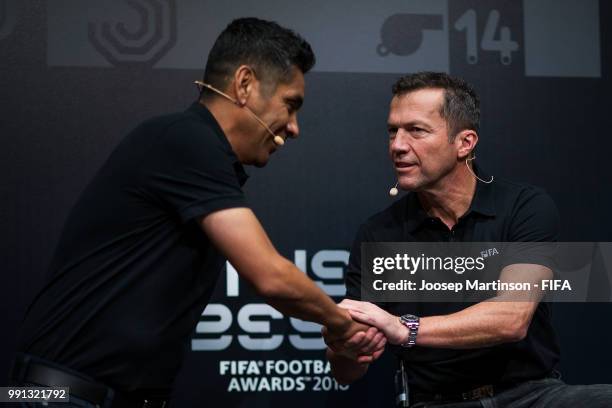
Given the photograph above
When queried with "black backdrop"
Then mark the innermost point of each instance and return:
(66, 100)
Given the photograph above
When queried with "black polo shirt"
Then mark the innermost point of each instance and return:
(499, 212)
(133, 270)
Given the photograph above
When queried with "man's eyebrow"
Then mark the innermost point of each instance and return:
(408, 124)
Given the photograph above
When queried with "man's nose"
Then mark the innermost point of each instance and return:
(400, 143)
(293, 129)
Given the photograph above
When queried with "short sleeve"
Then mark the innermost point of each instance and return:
(192, 171)
(535, 220)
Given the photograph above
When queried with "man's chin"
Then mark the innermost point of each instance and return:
(410, 184)
(257, 161)
(261, 162)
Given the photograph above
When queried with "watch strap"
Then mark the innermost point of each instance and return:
(411, 322)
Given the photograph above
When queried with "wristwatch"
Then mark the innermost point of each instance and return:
(412, 323)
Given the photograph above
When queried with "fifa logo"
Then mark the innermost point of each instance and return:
(146, 43)
(489, 252)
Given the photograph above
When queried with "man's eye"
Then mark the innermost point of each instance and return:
(292, 107)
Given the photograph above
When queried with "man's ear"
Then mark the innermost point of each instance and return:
(465, 142)
(244, 83)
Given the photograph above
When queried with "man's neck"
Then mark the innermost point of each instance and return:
(450, 198)
(227, 120)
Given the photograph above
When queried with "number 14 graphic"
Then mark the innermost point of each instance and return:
(504, 45)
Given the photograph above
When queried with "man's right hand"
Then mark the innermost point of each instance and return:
(355, 341)
(352, 349)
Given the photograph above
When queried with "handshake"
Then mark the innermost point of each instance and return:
(362, 340)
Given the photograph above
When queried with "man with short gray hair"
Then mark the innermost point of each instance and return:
(486, 354)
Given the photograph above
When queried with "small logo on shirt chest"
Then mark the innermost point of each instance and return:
(489, 252)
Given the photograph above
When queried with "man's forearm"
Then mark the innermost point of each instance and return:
(503, 319)
(481, 325)
(291, 292)
(238, 235)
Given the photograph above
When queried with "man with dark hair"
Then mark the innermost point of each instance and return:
(141, 250)
(492, 353)
(268, 48)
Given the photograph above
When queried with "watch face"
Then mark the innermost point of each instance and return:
(410, 318)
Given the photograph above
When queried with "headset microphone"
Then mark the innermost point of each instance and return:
(393, 192)
(278, 140)
(474, 174)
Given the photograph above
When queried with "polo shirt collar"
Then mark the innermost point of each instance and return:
(482, 203)
(484, 197)
(240, 173)
(201, 111)
(414, 212)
